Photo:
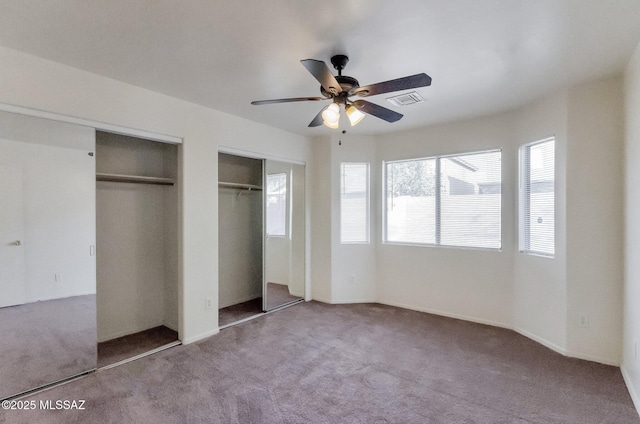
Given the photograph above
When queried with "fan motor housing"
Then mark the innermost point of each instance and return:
(346, 83)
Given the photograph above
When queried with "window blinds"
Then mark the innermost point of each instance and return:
(354, 202)
(471, 200)
(448, 200)
(537, 197)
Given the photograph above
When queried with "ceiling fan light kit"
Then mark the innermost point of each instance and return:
(354, 115)
(331, 115)
(339, 88)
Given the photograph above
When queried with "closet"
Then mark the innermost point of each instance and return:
(261, 225)
(240, 223)
(137, 246)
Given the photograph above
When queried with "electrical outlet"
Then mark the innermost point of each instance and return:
(584, 321)
(352, 279)
(57, 277)
(635, 350)
(208, 303)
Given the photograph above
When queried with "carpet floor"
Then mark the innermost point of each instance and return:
(126, 347)
(46, 341)
(362, 363)
(277, 295)
(243, 310)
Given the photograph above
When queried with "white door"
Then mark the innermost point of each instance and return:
(12, 289)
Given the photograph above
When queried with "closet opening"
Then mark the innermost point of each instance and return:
(261, 224)
(136, 247)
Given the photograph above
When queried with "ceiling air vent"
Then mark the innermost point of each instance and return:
(406, 99)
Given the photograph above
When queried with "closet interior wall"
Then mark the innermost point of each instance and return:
(137, 236)
(240, 223)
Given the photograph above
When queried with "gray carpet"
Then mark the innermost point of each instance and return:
(365, 363)
(278, 294)
(126, 347)
(46, 341)
(243, 310)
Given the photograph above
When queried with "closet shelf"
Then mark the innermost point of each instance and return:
(239, 186)
(138, 179)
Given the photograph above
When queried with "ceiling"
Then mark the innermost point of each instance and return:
(484, 56)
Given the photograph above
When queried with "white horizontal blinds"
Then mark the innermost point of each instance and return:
(537, 200)
(354, 202)
(471, 200)
(411, 201)
(277, 205)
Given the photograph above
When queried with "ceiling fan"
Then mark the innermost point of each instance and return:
(340, 88)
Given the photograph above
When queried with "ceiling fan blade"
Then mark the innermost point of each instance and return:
(317, 121)
(321, 72)
(293, 99)
(406, 83)
(377, 111)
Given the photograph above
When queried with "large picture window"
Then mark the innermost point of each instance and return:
(451, 200)
(537, 197)
(354, 202)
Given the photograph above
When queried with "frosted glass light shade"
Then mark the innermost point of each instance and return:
(354, 115)
(331, 115)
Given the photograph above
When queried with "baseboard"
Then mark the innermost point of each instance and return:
(564, 352)
(320, 299)
(446, 314)
(544, 342)
(521, 331)
(348, 301)
(200, 336)
(342, 301)
(630, 388)
(592, 358)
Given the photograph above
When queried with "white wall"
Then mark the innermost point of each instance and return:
(321, 216)
(540, 297)
(341, 273)
(539, 283)
(467, 283)
(58, 203)
(631, 356)
(32, 82)
(353, 265)
(595, 183)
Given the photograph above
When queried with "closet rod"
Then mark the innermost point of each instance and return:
(137, 179)
(239, 185)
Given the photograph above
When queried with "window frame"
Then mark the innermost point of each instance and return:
(368, 202)
(524, 201)
(437, 195)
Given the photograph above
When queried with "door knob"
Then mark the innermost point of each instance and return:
(17, 243)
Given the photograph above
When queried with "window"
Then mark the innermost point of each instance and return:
(354, 203)
(537, 197)
(446, 200)
(411, 201)
(276, 205)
